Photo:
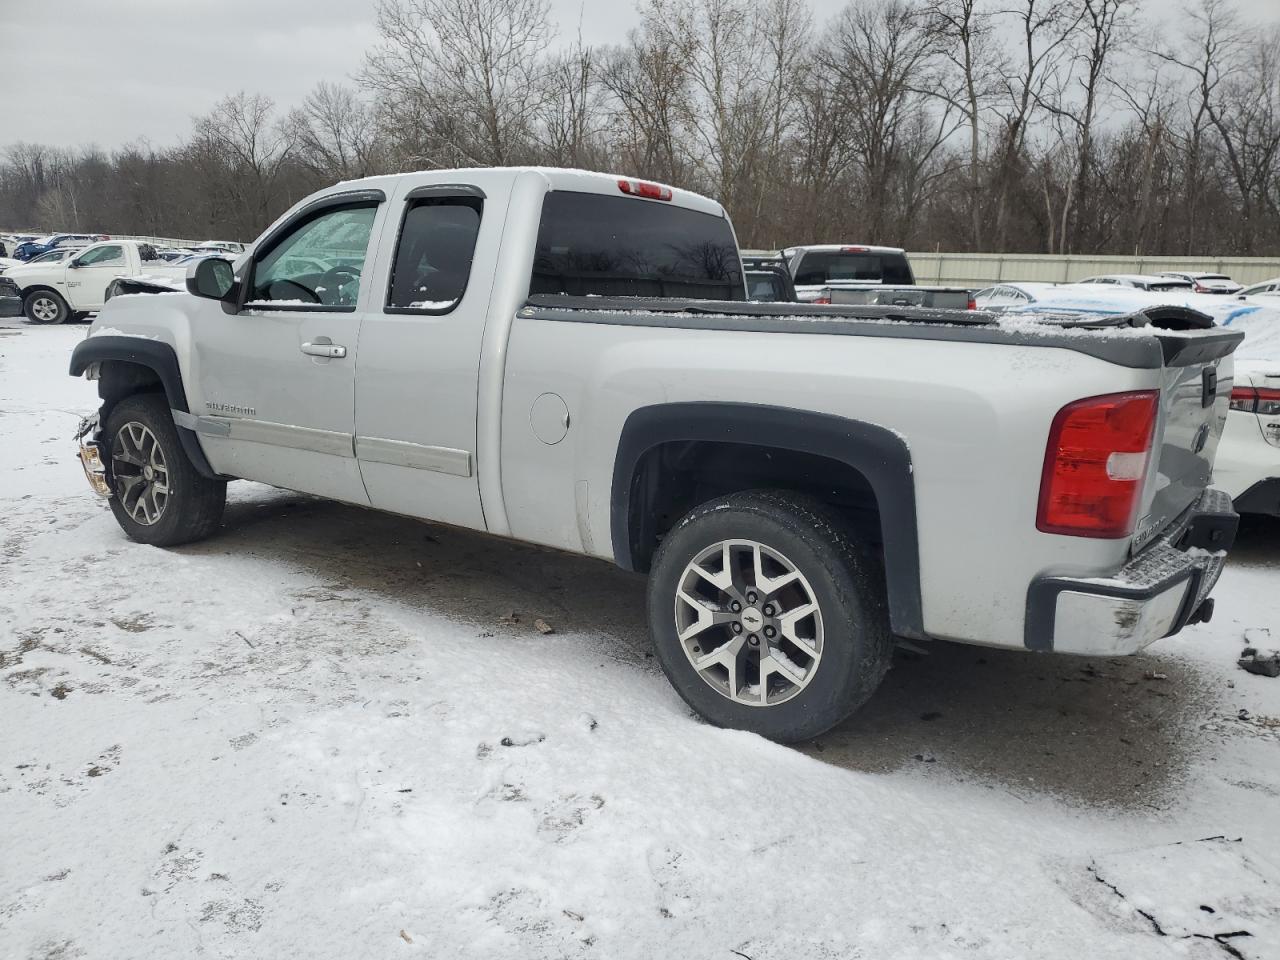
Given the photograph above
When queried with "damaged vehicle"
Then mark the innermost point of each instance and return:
(799, 483)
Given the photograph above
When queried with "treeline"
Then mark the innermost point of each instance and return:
(1058, 126)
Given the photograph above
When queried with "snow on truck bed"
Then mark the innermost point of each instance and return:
(322, 733)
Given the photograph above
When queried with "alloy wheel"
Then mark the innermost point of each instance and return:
(749, 622)
(141, 473)
(45, 309)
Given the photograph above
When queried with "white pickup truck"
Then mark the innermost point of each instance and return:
(568, 359)
(55, 292)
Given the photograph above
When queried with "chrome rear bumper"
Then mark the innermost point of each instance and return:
(1157, 593)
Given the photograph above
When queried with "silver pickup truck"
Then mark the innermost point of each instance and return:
(568, 359)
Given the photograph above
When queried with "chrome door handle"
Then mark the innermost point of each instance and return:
(324, 347)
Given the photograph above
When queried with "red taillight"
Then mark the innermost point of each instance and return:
(971, 305)
(1255, 400)
(826, 298)
(641, 188)
(1095, 463)
(853, 249)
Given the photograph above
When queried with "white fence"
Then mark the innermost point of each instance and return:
(984, 269)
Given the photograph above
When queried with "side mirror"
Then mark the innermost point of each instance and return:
(75, 264)
(211, 278)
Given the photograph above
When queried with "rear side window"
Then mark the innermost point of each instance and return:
(434, 254)
(591, 244)
(820, 267)
(764, 287)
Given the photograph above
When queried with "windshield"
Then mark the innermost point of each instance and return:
(823, 266)
(593, 244)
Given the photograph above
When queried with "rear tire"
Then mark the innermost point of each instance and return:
(775, 556)
(46, 306)
(158, 495)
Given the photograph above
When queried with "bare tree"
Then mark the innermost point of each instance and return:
(336, 134)
(1102, 30)
(466, 77)
(242, 150)
(1038, 125)
(571, 119)
(884, 58)
(649, 87)
(1043, 29)
(965, 31)
(1208, 51)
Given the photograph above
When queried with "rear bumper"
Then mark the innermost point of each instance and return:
(1154, 595)
(1262, 497)
(10, 306)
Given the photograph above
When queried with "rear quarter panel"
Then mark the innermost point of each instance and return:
(975, 418)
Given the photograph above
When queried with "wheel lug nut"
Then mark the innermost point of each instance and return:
(751, 598)
(770, 632)
(768, 610)
(737, 628)
(735, 606)
(753, 640)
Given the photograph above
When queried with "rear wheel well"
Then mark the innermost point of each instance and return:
(672, 478)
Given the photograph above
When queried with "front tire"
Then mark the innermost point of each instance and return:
(158, 496)
(46, 306)
(766, 616)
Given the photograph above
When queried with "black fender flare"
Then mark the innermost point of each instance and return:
(163, 361)
(25, 292)
(879, 454)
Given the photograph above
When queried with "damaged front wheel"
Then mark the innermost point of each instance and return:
(158, 496)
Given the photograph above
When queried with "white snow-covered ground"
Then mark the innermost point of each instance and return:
(315, 736)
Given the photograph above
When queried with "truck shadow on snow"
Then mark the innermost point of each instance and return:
(1112, 732)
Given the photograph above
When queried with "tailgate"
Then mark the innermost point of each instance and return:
(1195, 393)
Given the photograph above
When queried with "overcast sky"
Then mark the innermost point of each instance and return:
(112, 71)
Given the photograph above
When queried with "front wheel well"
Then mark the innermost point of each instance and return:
(118, 379)
(41, 288)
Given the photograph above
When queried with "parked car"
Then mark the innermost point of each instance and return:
(10, 298)
(941, 298)
(1157, 284)
(1267, 288)
(1215, 283)
(1248, 461)
(34, 248)
(57, 292)
(1103, 299)
(57, 254)
(486, 348)
(820, 267)
(769, 284)
(220, 247)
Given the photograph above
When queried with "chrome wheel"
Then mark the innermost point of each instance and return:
(45, 309)
(140, 473)
(749, 622)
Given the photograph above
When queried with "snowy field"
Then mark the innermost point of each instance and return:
(327, 733)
